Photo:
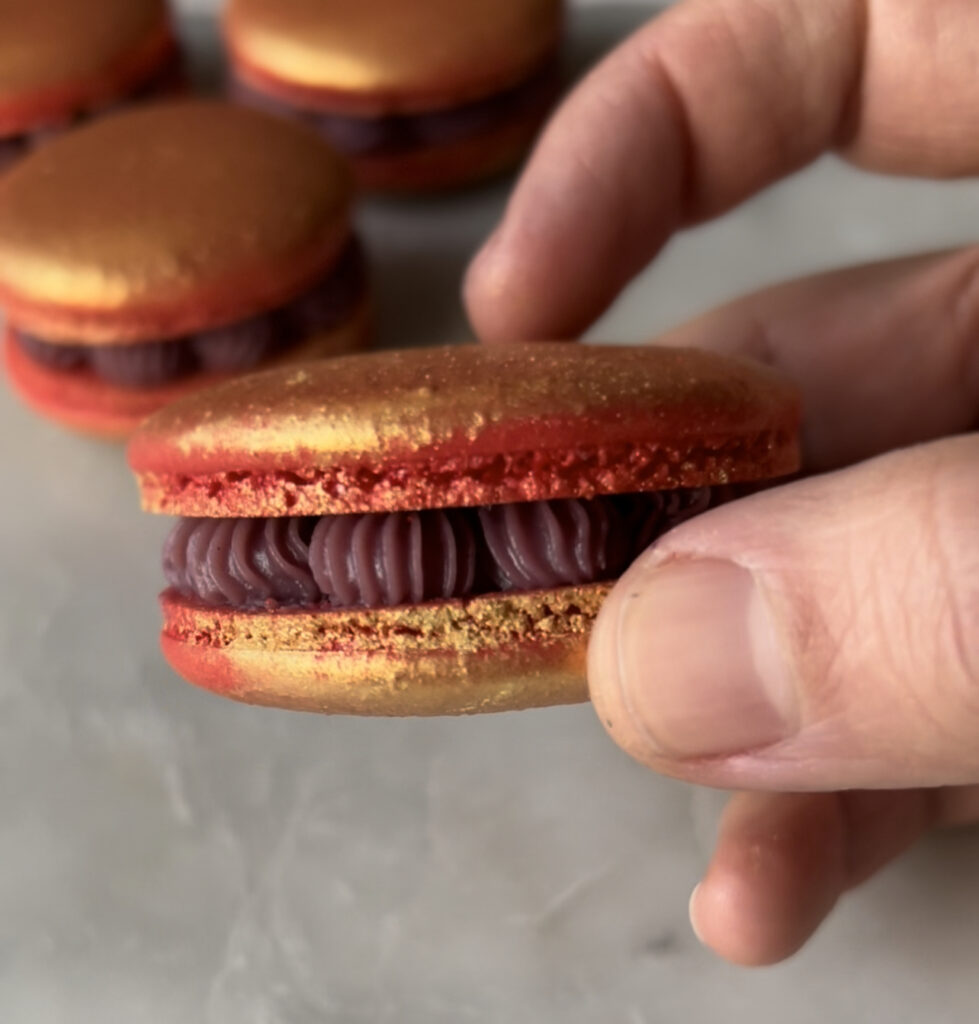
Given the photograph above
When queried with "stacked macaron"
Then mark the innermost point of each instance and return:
(64, 60)
(158, 250)
(420, 95)
(433, 531)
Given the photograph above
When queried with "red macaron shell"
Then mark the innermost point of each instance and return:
(82, 401)
(450, 165)
(467, 425)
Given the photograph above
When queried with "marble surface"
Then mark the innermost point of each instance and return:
(167, 857)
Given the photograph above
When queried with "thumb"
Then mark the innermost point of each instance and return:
(822, 635)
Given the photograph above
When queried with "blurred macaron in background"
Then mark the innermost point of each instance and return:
(165, 248)
(421, 96)
(63, 61)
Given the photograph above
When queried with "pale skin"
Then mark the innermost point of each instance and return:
(848, 602)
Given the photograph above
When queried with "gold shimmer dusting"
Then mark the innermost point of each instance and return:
(396, 54)
(52, 44)
(494, 653)
(445, 426)
(153, 206)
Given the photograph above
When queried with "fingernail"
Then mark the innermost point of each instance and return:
(698, 662)
(692, 915)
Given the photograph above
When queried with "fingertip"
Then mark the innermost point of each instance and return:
(725, 928)
(777, 872)
(487, 294)
(784, 859)
(513, 293)
(726, 919)
(495, 300)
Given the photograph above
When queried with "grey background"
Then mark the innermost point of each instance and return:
(168, 857)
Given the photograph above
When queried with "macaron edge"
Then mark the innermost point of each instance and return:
(82, 402)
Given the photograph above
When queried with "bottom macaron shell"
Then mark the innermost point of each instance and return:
(86, 403)
(500, 652)
(452, 165)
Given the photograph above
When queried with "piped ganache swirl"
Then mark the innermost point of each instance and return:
(234, 348)
(241, 562)
(386, 559)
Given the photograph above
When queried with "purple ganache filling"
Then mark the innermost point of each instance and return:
(378, 560)
(399, 133)
(235, 348)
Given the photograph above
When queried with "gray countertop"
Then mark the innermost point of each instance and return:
(168, 857)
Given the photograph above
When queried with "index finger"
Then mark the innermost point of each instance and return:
(703, 107)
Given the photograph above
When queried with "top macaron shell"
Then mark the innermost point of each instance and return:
(165, 220)
(468, 425)
(380, 57)
(61, 55)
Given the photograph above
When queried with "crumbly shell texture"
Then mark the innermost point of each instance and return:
(492, 653)
(470, 425)
(458, 481)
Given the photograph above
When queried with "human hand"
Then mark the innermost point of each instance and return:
(815, 646)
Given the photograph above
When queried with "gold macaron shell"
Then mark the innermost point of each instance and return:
(465, 426)
(167, 219)
(394, 56)
(77, 46)
(497, 652)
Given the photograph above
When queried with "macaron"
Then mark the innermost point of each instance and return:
(162, 249)
(433, 531)
(422, 95)
(64, 60)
